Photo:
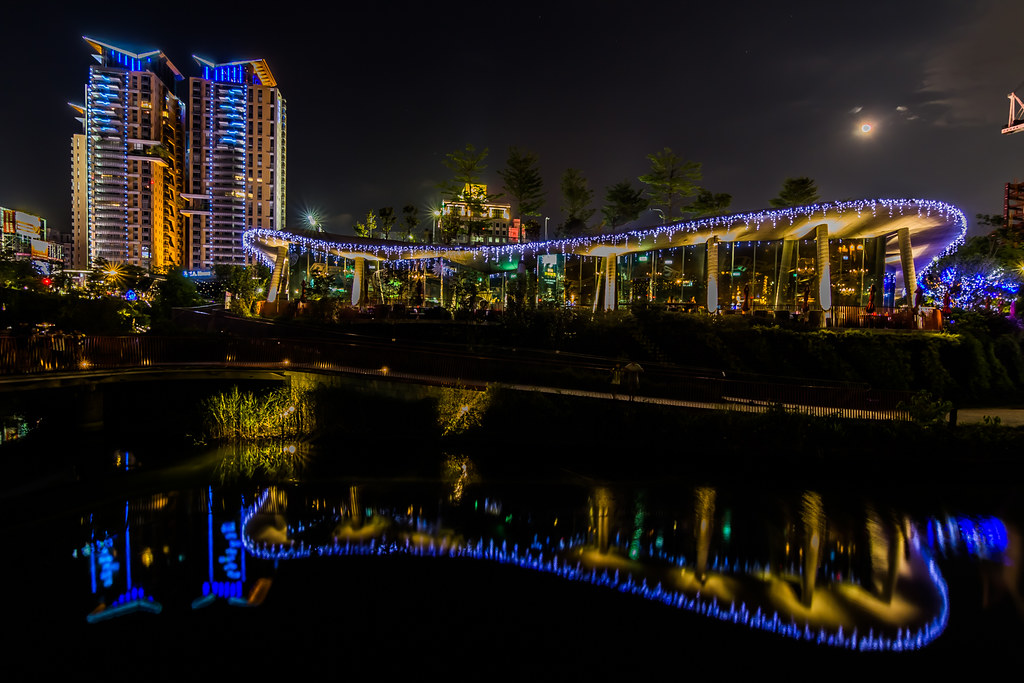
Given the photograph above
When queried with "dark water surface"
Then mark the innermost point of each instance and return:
(146, 565)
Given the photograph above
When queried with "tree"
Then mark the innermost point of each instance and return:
(671, 181)
(523, 183)
(984, 268)
(1003, 241)
(17, 274)
(385, 220)
(174, 291)
(796, 192)
(467, 167)
(623, 203)
(366, 229)
(708, 204)
(411, 217)
(247, 284)
(576, 198)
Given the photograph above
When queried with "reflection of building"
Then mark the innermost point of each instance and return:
(25, 237)
(126, 166)
(481, 221)
(236, 160)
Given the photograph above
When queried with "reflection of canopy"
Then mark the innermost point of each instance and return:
(733, 589)
(934, 227)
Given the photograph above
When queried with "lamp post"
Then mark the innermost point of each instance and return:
(433, 228)
(654, 258)
(546, 219)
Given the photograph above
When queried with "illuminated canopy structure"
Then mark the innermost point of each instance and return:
(764, 259)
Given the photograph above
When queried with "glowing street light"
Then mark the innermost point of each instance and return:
(437, 221)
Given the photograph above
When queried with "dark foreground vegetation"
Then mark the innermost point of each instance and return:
(976, 360)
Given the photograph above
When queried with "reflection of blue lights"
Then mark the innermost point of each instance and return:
(982, 537)
(547, 559)
(108, 566)
(223, 589)
(229, 559)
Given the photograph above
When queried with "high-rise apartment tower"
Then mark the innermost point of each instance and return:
(165, 177)
(131, 153)
(236, 159)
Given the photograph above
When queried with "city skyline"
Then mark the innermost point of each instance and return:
(754, 94)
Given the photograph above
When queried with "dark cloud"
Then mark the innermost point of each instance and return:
(973, 65)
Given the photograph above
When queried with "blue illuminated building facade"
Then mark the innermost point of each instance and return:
(163, 177)
(128, 162)
(236, 142)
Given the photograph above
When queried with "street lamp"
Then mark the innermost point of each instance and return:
(654, 261)
(546, 219)
(433, 229)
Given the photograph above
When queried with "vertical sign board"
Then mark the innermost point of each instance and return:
(550, 268)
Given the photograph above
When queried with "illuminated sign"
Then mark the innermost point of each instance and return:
(198, 274)
(28, 225)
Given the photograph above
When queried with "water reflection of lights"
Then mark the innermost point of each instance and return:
(578, 559)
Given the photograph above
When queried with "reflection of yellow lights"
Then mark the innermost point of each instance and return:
(147, 557)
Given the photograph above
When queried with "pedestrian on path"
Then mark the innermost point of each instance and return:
(616, 379)
(632, 371)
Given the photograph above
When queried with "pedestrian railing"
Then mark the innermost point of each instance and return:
(40, 355)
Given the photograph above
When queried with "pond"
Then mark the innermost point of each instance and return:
(155, 564)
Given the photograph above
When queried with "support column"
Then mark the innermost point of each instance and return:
(280, 267)
(907, 261)
(782, 278)
(824, 270)
(611, 297)
(358, 275)
(712, 275)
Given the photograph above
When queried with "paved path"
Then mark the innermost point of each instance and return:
(1008, 417)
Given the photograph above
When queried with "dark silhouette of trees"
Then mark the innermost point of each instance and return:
(671, 181)
(796, 192)
(622, 203)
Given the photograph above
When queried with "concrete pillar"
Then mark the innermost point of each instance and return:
(712, 275)
(611, 297)
(358, 276)
(824, 270)
(907, 261)
(280, 271)
(782, 277)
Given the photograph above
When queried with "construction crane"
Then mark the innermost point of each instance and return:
(1015, 122)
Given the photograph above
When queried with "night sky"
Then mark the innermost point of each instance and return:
(756, 91)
